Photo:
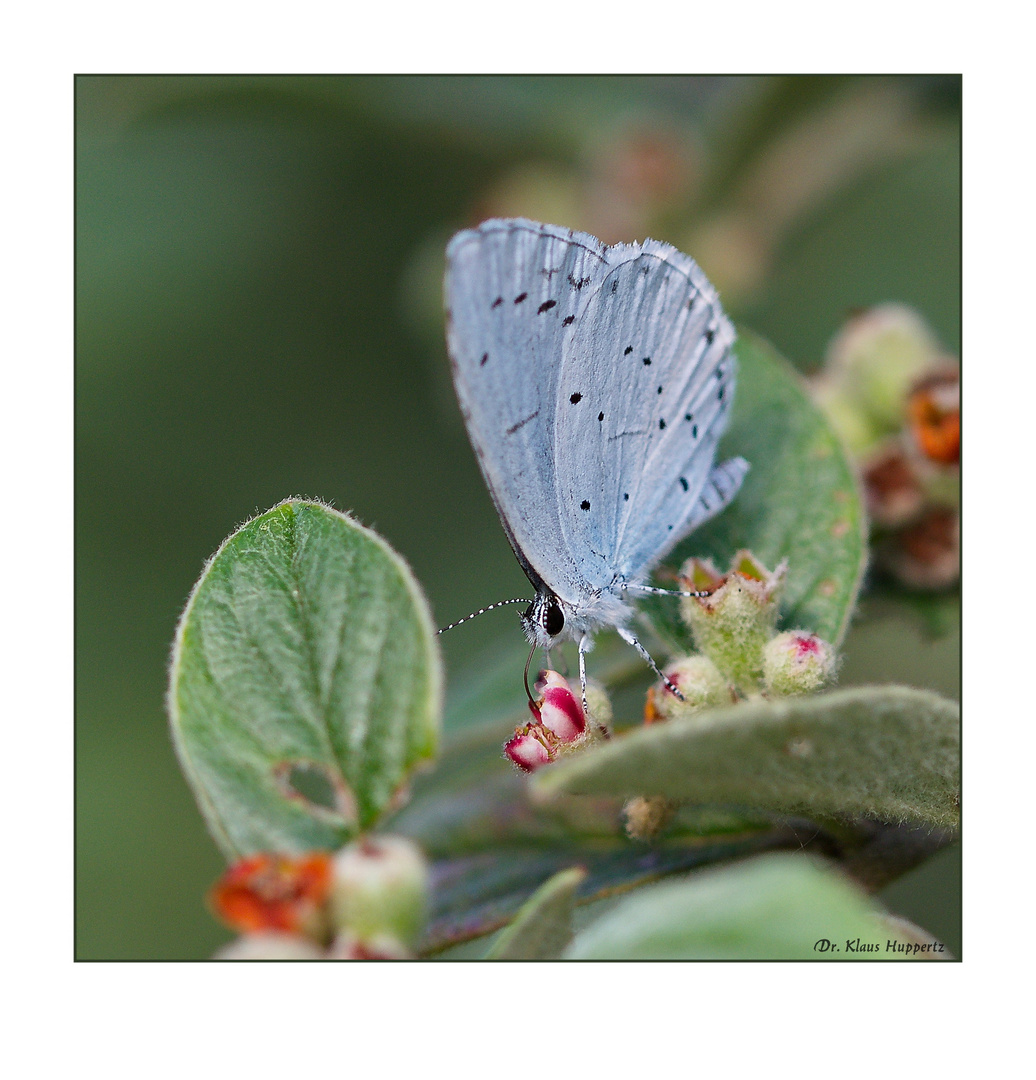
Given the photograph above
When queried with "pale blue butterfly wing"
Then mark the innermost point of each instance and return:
(647, 380)
(595, 382)
(511, 303)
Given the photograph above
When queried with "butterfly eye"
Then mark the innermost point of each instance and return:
(553, 620)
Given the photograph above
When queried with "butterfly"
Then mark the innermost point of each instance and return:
(595, 383)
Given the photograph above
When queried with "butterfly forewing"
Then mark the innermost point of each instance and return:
(514, 293)
(595, 383)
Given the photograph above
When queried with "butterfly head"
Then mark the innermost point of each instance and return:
(544, 619)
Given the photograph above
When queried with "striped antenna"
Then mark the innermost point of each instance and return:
(482, 611)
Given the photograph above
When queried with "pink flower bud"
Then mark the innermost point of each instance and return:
(797, 662)
(528, 748)
(560, 710)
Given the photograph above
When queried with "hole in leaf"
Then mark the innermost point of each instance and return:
(323, 791)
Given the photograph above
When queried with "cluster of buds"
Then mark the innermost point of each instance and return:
(894, 397)
(559, 725)
(366, 902)
(732, 621)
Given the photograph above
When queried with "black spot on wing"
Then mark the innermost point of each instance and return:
(576, 398)
(584, 505)
(710, 334)
(482, 362)
(661, 424)
(600, 416)
(497, 302)
(627, 350)
(578, 283)
(683, 483)
(546, 306)
(647, 361)
(626, 496)
(520, 297)
(568, 320)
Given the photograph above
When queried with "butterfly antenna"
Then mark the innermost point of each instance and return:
(482, 611)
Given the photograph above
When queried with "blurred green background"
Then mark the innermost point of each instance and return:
(259, 267)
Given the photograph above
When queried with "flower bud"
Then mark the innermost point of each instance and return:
(891, 486)
(647, 816)
(698, 679)
(271, 892)
(270, 946)
(347, 946)
(933, 410)
(926, 553)
(876, 358)
(797, 662)
(933, 435)
(599, 703)
(380, 888)
(735, 618)
(531, 747)
(560, 710)
(849, 419)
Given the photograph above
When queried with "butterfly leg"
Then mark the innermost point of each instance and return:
(650, 590)
(584, 648)
(585, 645)
(631, 639)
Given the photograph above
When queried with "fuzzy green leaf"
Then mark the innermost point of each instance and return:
(543, 927)
(799, 502)
(888, 753)
(774, 907)
(305, 684)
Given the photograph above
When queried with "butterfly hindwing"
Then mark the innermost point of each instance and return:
(643, 396)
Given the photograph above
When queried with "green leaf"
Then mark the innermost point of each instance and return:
(492, 848)
(543, 927)
(305, 684)
(888, 753)
(774, 907)
(799, 502)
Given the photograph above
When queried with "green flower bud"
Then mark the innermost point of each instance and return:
(878, 356)
(853, 424)
(380, 888)
(797, 662)
(698, 679)
(736, 617)
(598, 703)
